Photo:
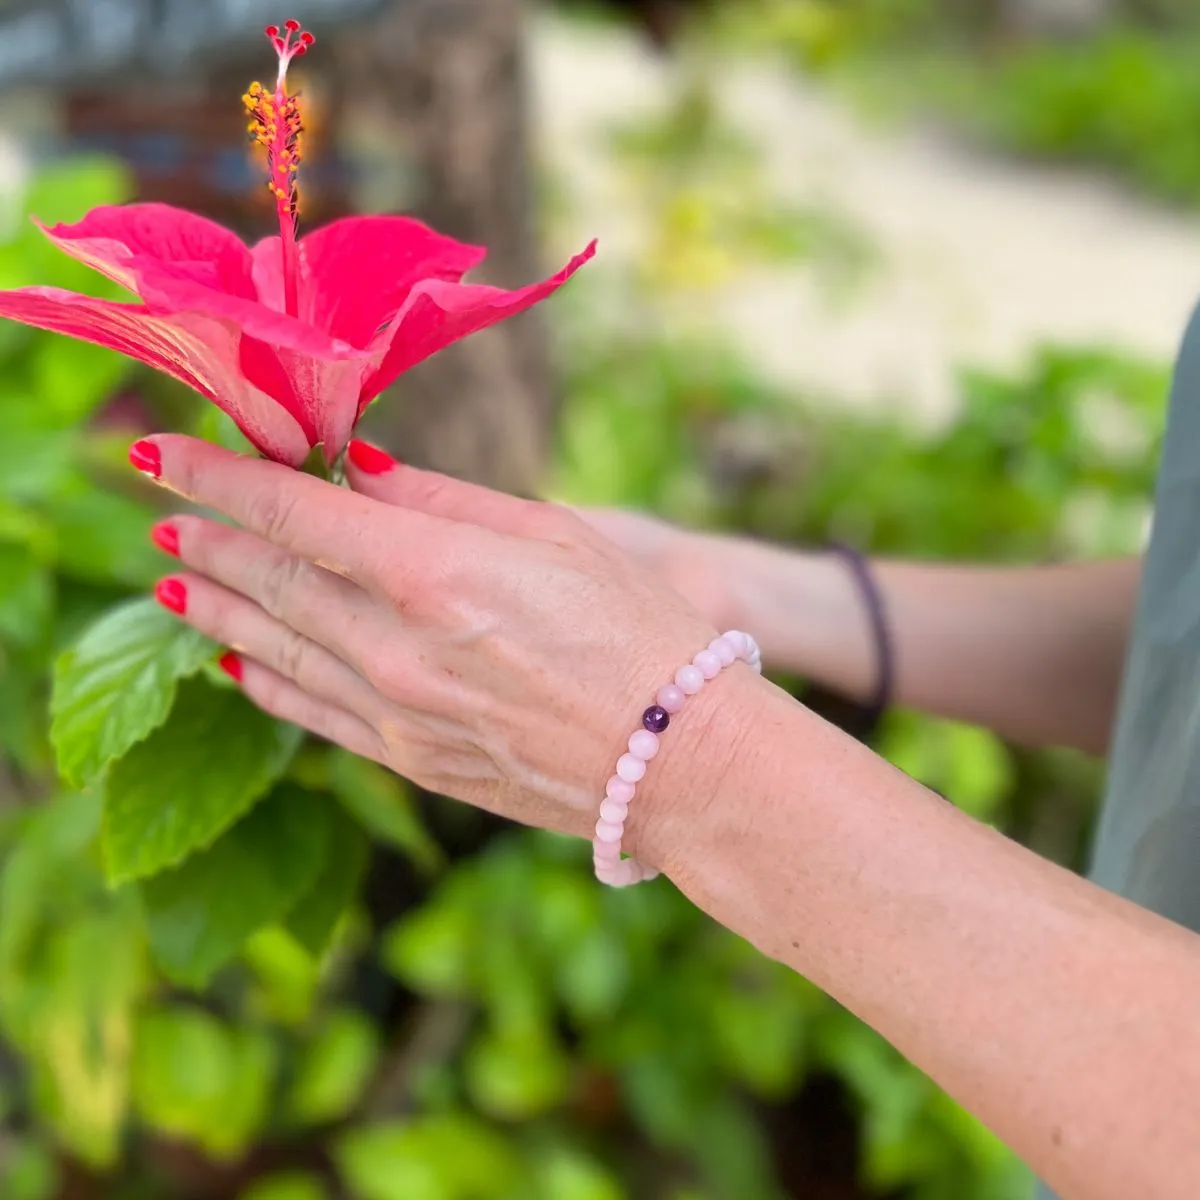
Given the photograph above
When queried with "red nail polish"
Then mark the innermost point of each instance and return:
(147, 458)
(231, 664)
(166, 537)
(172, 594)
(370, 459)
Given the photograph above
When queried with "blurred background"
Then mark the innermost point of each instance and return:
(908, 273)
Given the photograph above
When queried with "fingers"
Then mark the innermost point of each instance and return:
(284, 699)
(374, 473)
(234, 621)
(348, 533)
(318, 605)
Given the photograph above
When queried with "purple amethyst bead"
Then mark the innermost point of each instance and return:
(656, 718)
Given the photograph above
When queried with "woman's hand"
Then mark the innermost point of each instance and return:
(703, 568)
(493, 649)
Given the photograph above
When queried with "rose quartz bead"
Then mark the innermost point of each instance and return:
(722, 647)
(619, 789)
(740, 643)
(614, 812)
(622, 874)
(630, 769)
(708, 664)
(643, 744)
(606, 831)
(671, 698)
(606, 850)
(689, 679)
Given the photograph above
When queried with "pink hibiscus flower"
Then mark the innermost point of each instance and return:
(293, 338)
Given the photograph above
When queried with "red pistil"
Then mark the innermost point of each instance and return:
(275, 124)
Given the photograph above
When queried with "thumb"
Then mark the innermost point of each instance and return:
(375, 473)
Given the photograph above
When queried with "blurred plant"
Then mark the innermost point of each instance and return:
(712, 210)
(1121, 93)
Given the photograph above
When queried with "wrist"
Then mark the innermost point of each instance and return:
(697, 772)
(807, 612)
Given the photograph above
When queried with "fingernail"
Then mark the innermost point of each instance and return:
(231, 664)
(370, 459)
(172, 594)
(166, 537)
(147, 458)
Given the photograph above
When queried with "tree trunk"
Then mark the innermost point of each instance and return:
(434, 92)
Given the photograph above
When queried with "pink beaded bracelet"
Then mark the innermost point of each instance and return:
(720, 653)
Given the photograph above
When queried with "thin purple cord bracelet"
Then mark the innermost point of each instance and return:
(885, 666)
(720, 653)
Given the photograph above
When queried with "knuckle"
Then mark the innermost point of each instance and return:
(292, 656)
(389, 678)
(280, 581)
(272, 514)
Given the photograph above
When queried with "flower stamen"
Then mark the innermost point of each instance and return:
(276, 125)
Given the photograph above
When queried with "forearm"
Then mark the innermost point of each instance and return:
(1060, 1015)
(1033, 653)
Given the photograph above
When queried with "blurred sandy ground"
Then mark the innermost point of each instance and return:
(981, 259)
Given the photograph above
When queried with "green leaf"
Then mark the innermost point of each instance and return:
(198, 1079)
(44, 881)
(73, 379)
(33, 462)
(517, 1076)
(287, 978)
(383, 803)
(28, 1171)
(26, 596)
(200, 913)
(181, 788)
(334, 1068)
(103, 537)
(287, 1185)
(82, 986)
(444, 1157)
(117, 684)
(431, 949)
(564, 1174)
(315, 917)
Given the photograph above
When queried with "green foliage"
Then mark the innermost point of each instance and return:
(179, 789)
(199, 913)
(198, 1078)
(117, 684)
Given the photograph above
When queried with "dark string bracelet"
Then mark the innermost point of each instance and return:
(885, 667)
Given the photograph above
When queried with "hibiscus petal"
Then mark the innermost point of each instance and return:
(170, 292)
(322, 395)
(437, 314)
(174, 259)
(199, 351)
(356, 273)
(110, 237)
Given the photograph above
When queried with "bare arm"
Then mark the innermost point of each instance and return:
(1034, 653)
(496, 650)
(1062, 1016)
